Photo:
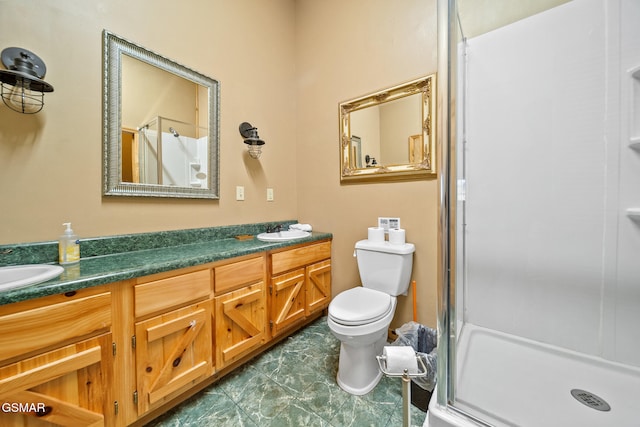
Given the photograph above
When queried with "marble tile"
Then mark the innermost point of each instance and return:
(115, 258)
(47, 252)
(417, 417)
(356, 412)
(263, 398)
(387, 395)
(292, 366)
(297, 415)
(212, 407)
(324, 397)
(236, 383)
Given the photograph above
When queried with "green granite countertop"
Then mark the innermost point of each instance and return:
(114, 267)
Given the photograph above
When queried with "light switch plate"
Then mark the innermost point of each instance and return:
(239, 192)
(269, 194)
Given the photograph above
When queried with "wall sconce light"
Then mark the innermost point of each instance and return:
(22, 87)
(251, 138)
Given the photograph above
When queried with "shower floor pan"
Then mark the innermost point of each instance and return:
(506, 380)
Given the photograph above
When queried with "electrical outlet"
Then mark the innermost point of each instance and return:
(389, 223)
(239, 192)
(269, 194)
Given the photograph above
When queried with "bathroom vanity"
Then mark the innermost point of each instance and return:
(123, 352)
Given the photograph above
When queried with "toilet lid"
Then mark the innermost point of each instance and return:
(359, 305)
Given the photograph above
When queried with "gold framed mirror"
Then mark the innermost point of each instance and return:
(389, 135)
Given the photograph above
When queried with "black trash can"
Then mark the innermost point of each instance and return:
(424, 342)
(420, 397)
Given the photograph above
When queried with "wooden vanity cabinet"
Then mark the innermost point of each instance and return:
(240, 308)
(300, 284)
(172, 342)
(56, 360)
(120, 354)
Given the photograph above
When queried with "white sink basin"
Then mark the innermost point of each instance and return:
(18, 276)
(283, 236)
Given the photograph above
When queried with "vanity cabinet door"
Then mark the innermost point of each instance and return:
(173, 352)
(69, 386)
(240, 322)
(287, 292)
(318, 287)
(300, 285)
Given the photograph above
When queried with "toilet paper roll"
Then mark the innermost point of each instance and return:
(397, 236)
(376, 234)
(400, 358)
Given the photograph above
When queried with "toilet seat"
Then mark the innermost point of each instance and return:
(359, 306)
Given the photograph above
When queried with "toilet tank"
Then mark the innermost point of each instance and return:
(385, 267)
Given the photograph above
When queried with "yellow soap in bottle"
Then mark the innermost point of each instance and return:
(68, 247)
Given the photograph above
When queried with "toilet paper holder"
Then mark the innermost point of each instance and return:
(406, 384)
(422, 368)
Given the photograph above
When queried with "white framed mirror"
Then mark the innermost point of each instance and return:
(389, 134)
(160, 125)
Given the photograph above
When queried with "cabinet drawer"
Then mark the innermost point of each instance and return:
(298, 257)
(238, 274)
(45, 325)
(160, 295)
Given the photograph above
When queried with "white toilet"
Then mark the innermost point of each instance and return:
(360, 317)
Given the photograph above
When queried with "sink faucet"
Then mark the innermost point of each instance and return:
(274, 229)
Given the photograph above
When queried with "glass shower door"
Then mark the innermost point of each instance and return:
(542, 292)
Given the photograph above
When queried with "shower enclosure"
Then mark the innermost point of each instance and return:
(172, 152)
(539, 303)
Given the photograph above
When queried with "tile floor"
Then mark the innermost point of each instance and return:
(293, 384)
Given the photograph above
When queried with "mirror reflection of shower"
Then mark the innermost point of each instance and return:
(170, 155)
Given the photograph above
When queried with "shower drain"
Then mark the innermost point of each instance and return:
(590, 399)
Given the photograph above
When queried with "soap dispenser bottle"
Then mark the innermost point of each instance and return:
(69, 246)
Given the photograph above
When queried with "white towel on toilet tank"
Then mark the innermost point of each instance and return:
(303, 227)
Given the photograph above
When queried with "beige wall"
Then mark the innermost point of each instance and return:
(346, 49)
(50, 162)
